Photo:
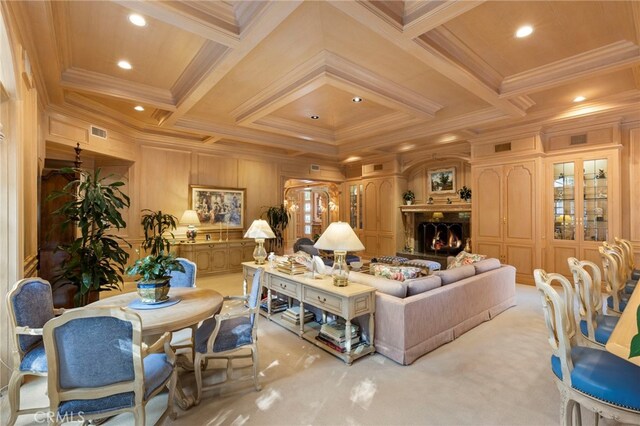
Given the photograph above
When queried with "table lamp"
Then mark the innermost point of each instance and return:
(259, 230)
(190, 218)
(340, 238)
(437, 216)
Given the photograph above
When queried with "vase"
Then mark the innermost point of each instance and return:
(154, 291)
(409, 202)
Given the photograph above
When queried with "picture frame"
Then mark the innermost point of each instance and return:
(218, 207)
(442, 181)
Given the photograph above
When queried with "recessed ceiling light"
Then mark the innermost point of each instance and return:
(314, 117)
(357, 99)
(579, 99)
(137, 20)
(124, 65)
(139, 108)
(524, 31)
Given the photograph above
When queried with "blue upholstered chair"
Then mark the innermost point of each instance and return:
(183, 339)
(97, 367)
(230, 335)
(626, 245)
(586, 377)
(595, 328)
(30, 306)
(617, 300)
(628, 284)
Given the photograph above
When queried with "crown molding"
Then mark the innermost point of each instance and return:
(385, 124)
(605, 59)
(59, 16)
(101, 84)
(434, 14)
(295, 129)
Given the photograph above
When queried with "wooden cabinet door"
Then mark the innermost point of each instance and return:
(487, 203)
(235, 256)
(519, 202)
(370, 206)
(387, 207)
(247, 251)
(219, 258)
(202, 258)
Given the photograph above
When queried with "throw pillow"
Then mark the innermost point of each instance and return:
(397, 273)
(464, 258)
(392, 260)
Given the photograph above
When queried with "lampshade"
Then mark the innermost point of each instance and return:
(564, 218)
(339, 236)
(190, 217)
(438, 215)
(259, 229)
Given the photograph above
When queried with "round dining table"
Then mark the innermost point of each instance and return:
(195, 305)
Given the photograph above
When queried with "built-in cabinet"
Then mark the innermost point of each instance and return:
(381, 216)
(218, 257)
(504, 208)
(582, 211)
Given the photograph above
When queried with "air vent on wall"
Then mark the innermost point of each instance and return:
(315, 168)
(377, 167)
(502, 147)
(578, 139)
(98, 132)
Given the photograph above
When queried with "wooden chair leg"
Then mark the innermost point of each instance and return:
(566, 411)
(254, 352)
(14, 397)
(197, 369)
(171, 411)
(139, 416)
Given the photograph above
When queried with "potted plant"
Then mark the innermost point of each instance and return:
(278, 219)
(408, 196)
(95, 260)
(154, 269)
(465, 193)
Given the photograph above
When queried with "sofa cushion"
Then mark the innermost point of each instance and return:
(452, 275)
(464, 258)
(422, 284)
(486, 265)
(398, 273)
(383, 285)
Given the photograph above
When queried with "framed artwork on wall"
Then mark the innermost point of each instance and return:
(218, 207)
(442, 181)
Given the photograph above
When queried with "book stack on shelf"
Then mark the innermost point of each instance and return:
(277, 305)
(292, 315)
(333, 334)
(291, 267)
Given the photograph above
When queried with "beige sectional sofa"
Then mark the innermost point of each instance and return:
(417, 316)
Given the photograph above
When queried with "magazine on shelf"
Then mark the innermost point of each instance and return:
(337, 329)
(336, 347)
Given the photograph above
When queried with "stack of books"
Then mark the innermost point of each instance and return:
(277, 305)
(333, 334)
(291, 267)
(292, 315)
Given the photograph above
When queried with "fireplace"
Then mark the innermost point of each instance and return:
(444, 237)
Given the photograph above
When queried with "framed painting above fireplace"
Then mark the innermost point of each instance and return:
(442, 181)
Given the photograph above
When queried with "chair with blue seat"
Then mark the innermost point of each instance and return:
(230, 335)
(183, 339)
(97, 367)
(595, 328)
(30, 306)
(626, 245)
(625, 273)
(617, 299)
(586, 377)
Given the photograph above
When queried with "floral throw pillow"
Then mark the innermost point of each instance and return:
(397, 273)
(464, 258)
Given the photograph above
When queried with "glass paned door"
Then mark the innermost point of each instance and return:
(596, 195)
(564, 201)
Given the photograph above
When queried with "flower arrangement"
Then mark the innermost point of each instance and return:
(408, 196)
(465, 193)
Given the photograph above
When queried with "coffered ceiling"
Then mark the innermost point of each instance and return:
(252, 74)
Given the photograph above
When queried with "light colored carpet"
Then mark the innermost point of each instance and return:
(496, 374)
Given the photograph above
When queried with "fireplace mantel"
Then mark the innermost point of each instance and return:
(454, 207)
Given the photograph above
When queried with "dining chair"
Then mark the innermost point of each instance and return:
(617, 300)
(628, 285)
(595, 328)
(230, 335)
(586, 377)
(97, 367)
(628, 249)
(30, 306)
(183, 339)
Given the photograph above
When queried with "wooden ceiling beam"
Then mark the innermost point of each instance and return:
(434, 13)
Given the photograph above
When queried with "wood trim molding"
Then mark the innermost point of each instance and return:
(434, 14)
(634, 176)
(30, 266)
(96, 83)
(606, 59)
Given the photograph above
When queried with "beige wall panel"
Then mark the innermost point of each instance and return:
(120, 173)
(164, 180)
(388, 205)
(488, 249)
(417, 183)
(487, 195)
(370, 206)
(387, 245)
(521, 257)
(68, 131)
(519, 203)
(370, 242)
(381, 168)
(519, 146)
(263, 186)
(558, 261)
(216, 171)
(593, 255)
(634, 189)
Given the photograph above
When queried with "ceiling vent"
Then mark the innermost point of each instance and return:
(502, 147)
(98, 132)
(578, 139)
(377, 167)
(315, 168)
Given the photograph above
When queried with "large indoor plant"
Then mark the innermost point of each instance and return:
(95, 259)
(154, 269)
(278, 219)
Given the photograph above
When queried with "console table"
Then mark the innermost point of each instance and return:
(354, 300)
(217, 257)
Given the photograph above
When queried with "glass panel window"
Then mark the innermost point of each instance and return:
(307, 218)
(564, 202)
(595, 214)
(307, 229)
